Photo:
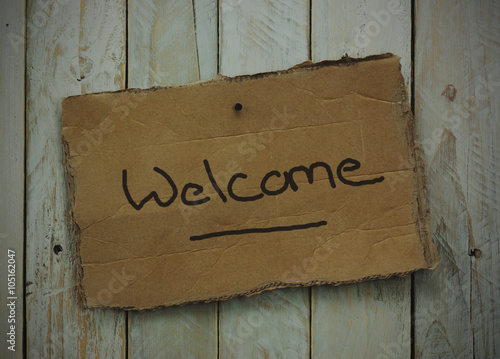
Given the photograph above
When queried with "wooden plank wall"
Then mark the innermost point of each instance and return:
(172, 42)
(260, 36)
(82, 46)
(365, 320)
(12, 50)
(457, 93)
(74, 47)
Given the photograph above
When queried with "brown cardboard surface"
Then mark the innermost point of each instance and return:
(144, 244)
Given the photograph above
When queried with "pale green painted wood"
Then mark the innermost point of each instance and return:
(207, 37)
(457, 87)
(272, 324)
(360, 28)
(161, 43)
(172, 42)
(12, 25)
(363, 320)
(188, 331)
(73, 47)
(372, 319)
(78, 46)
(259, 36)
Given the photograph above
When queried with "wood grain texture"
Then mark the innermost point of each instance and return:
(457, 83)
(79, 46)
(444, 293)
(365, 320)
(369, 319)
(188, 331)
(173, 42)
(207, 37)
(12, 48)
(359, 28)
(163, 43)
(261, 36)
(272, 324)
(73, 47)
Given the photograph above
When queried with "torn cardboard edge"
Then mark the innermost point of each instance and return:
(422, 210)
(268, 287)
(308, 64)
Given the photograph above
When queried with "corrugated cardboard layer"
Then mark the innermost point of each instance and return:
(250, 234)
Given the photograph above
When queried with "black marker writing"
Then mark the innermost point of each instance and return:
(310, 175)
(153, 194)
(213, 182)
(197, 191)
(238, 198)
(259, 230)
(355, 166)
(347, 165)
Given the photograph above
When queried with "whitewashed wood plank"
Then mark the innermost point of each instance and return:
(442, 297)
(162, 43)
(12, 48)
(483, 187)
(457, 83)
(370, 319)
(365, 320)
(173, 42)
(259, 36)
(207, 37)
(272, 324)
(360, 28)
(73, 47)
(188, 331)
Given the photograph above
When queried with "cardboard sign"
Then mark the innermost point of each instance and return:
(208, 191)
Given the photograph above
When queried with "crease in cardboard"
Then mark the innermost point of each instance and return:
(225, 249)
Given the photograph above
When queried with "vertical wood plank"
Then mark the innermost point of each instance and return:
(272, 324)
(457, 83)
(162, 43)
(173, 42)
(73, 47)
(369, 319)
(442, 297)
(12, 48)
(483, 187)
(261, 36)
(206, 25)
(360, 28)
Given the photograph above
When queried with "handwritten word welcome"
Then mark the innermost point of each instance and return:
(347, 165)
